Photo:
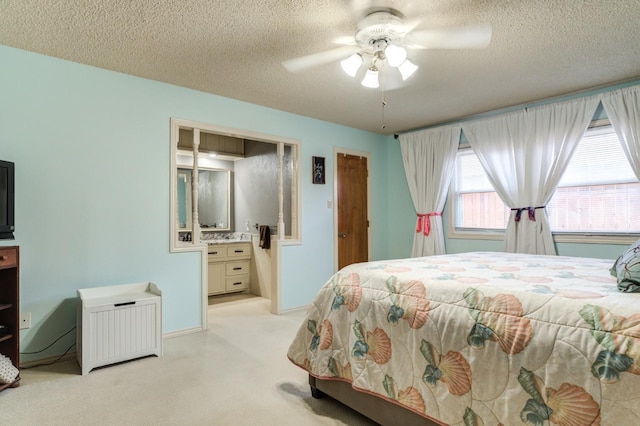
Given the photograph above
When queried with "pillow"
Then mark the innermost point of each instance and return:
(627, 269)
(8, 373)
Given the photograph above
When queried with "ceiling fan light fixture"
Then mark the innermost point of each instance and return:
(371, 78)
(352, 64)
(407, 68)
(395, 55)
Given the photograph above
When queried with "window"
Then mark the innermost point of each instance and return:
(478, 205)
(598, 192)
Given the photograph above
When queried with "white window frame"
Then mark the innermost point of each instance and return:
(558, 237)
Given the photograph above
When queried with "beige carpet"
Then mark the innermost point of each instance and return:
(236, 373)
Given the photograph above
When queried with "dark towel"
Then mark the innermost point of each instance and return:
(265, 237)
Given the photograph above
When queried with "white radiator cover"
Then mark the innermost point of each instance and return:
(118, 323)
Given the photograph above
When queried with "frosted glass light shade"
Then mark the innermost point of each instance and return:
(407, 68)
(371, 78)
(351, 65)
(396, 55)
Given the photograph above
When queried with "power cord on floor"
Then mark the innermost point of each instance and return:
(44, 349)
(49, 363)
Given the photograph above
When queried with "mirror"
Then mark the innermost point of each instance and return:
(184, 200)
(214, 199)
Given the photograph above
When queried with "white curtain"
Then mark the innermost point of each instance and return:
(623, 109)
(429, 157)
(524, 154)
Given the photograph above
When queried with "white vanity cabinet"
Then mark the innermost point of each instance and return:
(229, 268)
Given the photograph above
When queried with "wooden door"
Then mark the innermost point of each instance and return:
(353, 219)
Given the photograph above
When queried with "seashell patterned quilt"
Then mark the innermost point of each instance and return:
(481, 338)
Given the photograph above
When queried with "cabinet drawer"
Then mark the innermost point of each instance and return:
(8, 258)
(239, 251)
(216, 251)
(238, 283)
(237, 268)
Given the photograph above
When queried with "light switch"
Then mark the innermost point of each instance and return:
(329, 204)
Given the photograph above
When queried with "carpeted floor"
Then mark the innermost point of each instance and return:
(235, 373)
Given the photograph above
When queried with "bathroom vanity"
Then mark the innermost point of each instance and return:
(229, 267)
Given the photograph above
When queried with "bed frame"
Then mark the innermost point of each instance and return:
(377, 409)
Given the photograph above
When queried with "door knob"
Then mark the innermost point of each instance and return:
(342, 235)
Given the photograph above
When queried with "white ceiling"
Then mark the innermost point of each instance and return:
(234, 48)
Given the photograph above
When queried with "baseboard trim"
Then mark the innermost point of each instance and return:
(294, 310)
(182, 332)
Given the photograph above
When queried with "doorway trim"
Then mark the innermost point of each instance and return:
(345, 151)
(197, 246)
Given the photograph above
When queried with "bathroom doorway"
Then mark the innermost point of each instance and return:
(264, 191)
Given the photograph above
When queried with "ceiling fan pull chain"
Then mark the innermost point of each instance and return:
(384, 103)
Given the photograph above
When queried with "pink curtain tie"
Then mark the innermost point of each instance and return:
(424, 223)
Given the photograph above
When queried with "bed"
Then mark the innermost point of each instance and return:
(476, 338)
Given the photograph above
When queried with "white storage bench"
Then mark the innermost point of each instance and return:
(118, 323)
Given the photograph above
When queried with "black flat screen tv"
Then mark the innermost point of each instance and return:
(7, 200)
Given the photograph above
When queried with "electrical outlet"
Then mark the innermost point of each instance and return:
(25, 320)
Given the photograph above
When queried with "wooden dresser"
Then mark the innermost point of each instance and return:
(10, 307)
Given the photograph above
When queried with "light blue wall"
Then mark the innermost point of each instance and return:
(311, 264)
(92, 150)
(402, 214)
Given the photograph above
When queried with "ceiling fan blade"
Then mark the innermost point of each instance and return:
(467, 37)
(309, 61)
(410, 24)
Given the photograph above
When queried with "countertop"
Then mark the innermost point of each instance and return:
(225, 241)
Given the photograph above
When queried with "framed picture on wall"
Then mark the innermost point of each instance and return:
(318, 170)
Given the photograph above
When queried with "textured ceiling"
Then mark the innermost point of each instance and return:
(234, 48)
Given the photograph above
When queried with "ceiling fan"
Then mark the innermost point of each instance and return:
(382, 38)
